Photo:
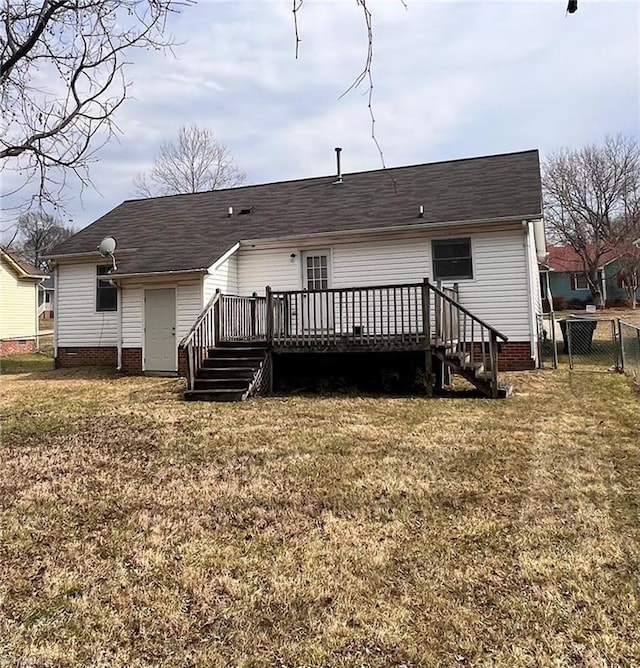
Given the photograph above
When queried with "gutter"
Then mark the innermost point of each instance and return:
(159, 273)
(526, 225)
(392, 228)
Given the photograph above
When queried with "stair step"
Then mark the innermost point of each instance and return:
(213, 395)
(234, 351)
(235, 372)
(221, 362)
(221, 383)
(242, 344)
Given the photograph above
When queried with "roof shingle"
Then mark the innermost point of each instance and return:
(189, 232)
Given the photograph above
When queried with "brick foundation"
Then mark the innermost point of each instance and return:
(512, 355)
(132, 361)
(515, 356)
(87, 356)
(182, 362)
(17, 347)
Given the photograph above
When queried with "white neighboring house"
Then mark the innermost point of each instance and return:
(46, 294)
(19, 282)
(475, 223)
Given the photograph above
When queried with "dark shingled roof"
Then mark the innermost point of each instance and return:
(189, 232)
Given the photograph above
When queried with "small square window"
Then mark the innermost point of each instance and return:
(452, 259)
(106, 292)
(580, 282)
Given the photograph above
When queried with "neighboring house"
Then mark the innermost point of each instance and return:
(563, 274)
(321, 244)
(46, 298)
(19, 282)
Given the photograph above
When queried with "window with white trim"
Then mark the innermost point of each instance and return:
(452, 259)
(580, 282)
(106, 291)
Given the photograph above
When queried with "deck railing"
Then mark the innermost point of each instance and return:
(369, 316)
(203, 335)
(418, 315)
(243, 318)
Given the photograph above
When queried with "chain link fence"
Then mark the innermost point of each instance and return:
(548, 332)
(589, 344)
(629, 338)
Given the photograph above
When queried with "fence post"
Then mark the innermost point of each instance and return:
(426, 326)
(620, 346)
(569, 347)
(269, 305)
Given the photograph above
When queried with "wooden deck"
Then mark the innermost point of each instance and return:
(386, 318)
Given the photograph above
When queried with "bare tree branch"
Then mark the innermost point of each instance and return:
(592, 201)
(62, 79)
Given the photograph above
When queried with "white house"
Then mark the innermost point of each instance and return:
(473, 224)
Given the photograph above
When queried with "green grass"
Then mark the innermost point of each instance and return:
(140, 530)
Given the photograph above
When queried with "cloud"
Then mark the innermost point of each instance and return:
(450, 80)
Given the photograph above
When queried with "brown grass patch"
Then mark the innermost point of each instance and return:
(139, 530)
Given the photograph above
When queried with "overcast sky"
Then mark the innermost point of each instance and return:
(452, 79)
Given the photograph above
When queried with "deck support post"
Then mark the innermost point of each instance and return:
(269, 306)
(269, 331)
(426, 326)
(494, 366)
(254, 303)
(216, 320)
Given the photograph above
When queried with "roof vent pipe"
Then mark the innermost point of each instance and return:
(230, 211)
(338, 168)
(421, 211)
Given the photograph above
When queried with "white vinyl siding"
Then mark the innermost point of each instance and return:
(224, 277)
(188, 308)
(497, 293)
(77, 322)
(18, 305)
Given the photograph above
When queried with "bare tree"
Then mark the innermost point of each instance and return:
(629, 273)
(592, 201)
(37, 232)
(196, 162)
(62, 78)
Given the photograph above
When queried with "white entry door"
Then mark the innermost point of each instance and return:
(160, 352)
(317, 309)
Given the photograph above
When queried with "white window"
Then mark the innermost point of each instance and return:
(580, 282)
(106, 291)
(452, 259)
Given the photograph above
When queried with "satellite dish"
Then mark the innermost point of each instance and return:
(107, 248)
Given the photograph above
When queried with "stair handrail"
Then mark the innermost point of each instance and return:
(459, 341)
(466, 311)
(210, 304)
(201, 337)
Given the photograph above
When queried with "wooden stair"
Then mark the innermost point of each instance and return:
(229, 373)
(474, 372)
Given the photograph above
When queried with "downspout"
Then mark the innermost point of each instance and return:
(120, 308)
(526, 226)
(37, 291)
(56, 284)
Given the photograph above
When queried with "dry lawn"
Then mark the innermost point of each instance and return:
(139, 530)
